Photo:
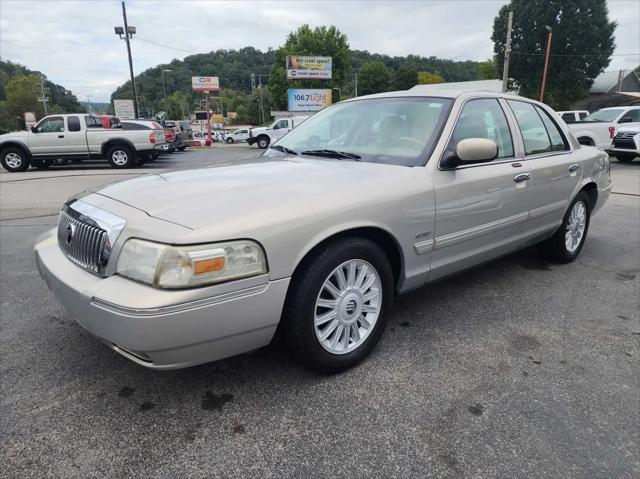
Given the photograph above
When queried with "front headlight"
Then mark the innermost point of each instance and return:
(165, 266)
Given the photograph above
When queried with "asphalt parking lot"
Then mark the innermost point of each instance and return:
(519, 368)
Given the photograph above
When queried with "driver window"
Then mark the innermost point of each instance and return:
(51, 125)
(280, 124)
(484, 119)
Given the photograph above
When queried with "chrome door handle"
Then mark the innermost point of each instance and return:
(573, 167)
(521, 177)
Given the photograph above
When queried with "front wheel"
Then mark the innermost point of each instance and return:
(263, 142)
(229, 140)
(337, 306)
(625, 157)
(121, 156)
(14, 159)
(567, 242)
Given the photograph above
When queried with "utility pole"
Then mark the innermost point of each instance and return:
(128, 34)
(253, 82)
(89, 102)
(356, 89)
(507, 54)
(43, 96)
(546, 63)
(262, 116)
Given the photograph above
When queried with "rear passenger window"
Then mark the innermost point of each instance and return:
(582, 115)
(558, 143)
(534, 134)
(569, 117)
(73, 123)
(92, 122)
(484, 118)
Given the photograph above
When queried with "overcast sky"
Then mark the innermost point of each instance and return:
(73, 42)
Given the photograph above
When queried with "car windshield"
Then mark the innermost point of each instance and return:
(604, 115)
(400, 131)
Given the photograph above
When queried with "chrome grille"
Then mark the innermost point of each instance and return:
(83, 243)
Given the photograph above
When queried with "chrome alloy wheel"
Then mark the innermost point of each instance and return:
(348, 306)
(119, 157)
(13, 160)
(576, 224)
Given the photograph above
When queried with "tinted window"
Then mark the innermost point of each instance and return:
(483, 119)
(281, 124)
(73, 123)
(633, 114)
(397, 131)
(92, 122)
(51, 125)
(582, 115)
(534, 134)
(558, 142)
(134, 126)
(569, 117)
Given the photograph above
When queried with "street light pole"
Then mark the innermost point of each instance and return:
(128, 33)
(546, 63)
(164, 88)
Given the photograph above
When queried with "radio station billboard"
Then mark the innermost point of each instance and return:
(302, 99)
(205, 84)
(308, 68)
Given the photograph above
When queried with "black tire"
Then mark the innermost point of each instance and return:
(41, 164)
(229, 140)
(125, 157)
(306, 285)
(555, 248)
(14, 159)
(263, 142)
(182, 148)
(625, 157)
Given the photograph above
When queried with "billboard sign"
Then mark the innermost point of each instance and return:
(307, 99)
(217, 118)
(308, 68)
(205, 84)
(124, 109)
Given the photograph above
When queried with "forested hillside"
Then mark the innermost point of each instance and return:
(19, 92)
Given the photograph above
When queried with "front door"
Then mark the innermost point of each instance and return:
(481, 209)
(49, 137)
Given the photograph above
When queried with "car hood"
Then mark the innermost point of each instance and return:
(254, 190)
(15, 135)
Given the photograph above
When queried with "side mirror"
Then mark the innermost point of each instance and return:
(625, 119)
(475, 150)
(33, 129)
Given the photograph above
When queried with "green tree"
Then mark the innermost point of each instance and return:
(583, 41)
(373, 77)
(320, 41)
(488, 70)
(428, 78)
(405, 77)
(176, 106)
(21, 95)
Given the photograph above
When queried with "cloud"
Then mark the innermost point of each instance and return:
(73, 42)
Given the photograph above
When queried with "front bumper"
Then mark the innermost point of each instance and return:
(161, 329)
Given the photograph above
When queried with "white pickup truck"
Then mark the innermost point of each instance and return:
(600, 127)
(266, 135)
(76, 137)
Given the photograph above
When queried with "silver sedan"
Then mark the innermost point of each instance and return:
(368, 199)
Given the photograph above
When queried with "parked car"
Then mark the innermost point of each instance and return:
(317, 241)
(170, 138)
(626, 145)
(76, 137)
(264, 136)
(599, 128)
(199, 138)
(150, 125)
(184, 133)
(238, 136)
(573, 116)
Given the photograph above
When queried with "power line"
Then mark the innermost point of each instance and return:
(579, 54)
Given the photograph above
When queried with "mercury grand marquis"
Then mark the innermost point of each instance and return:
(367, 199)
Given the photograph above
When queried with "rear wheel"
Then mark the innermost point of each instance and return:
(567, 242)
(14, 159)
(229, 140)
(121, 156)
(263, 142)
(625, 157)
(336, 309)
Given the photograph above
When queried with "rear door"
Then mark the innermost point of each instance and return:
(554, 172)
(481, 209)
(76, 137)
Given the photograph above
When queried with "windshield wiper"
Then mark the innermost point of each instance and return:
(332, 154)
(284, 149)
